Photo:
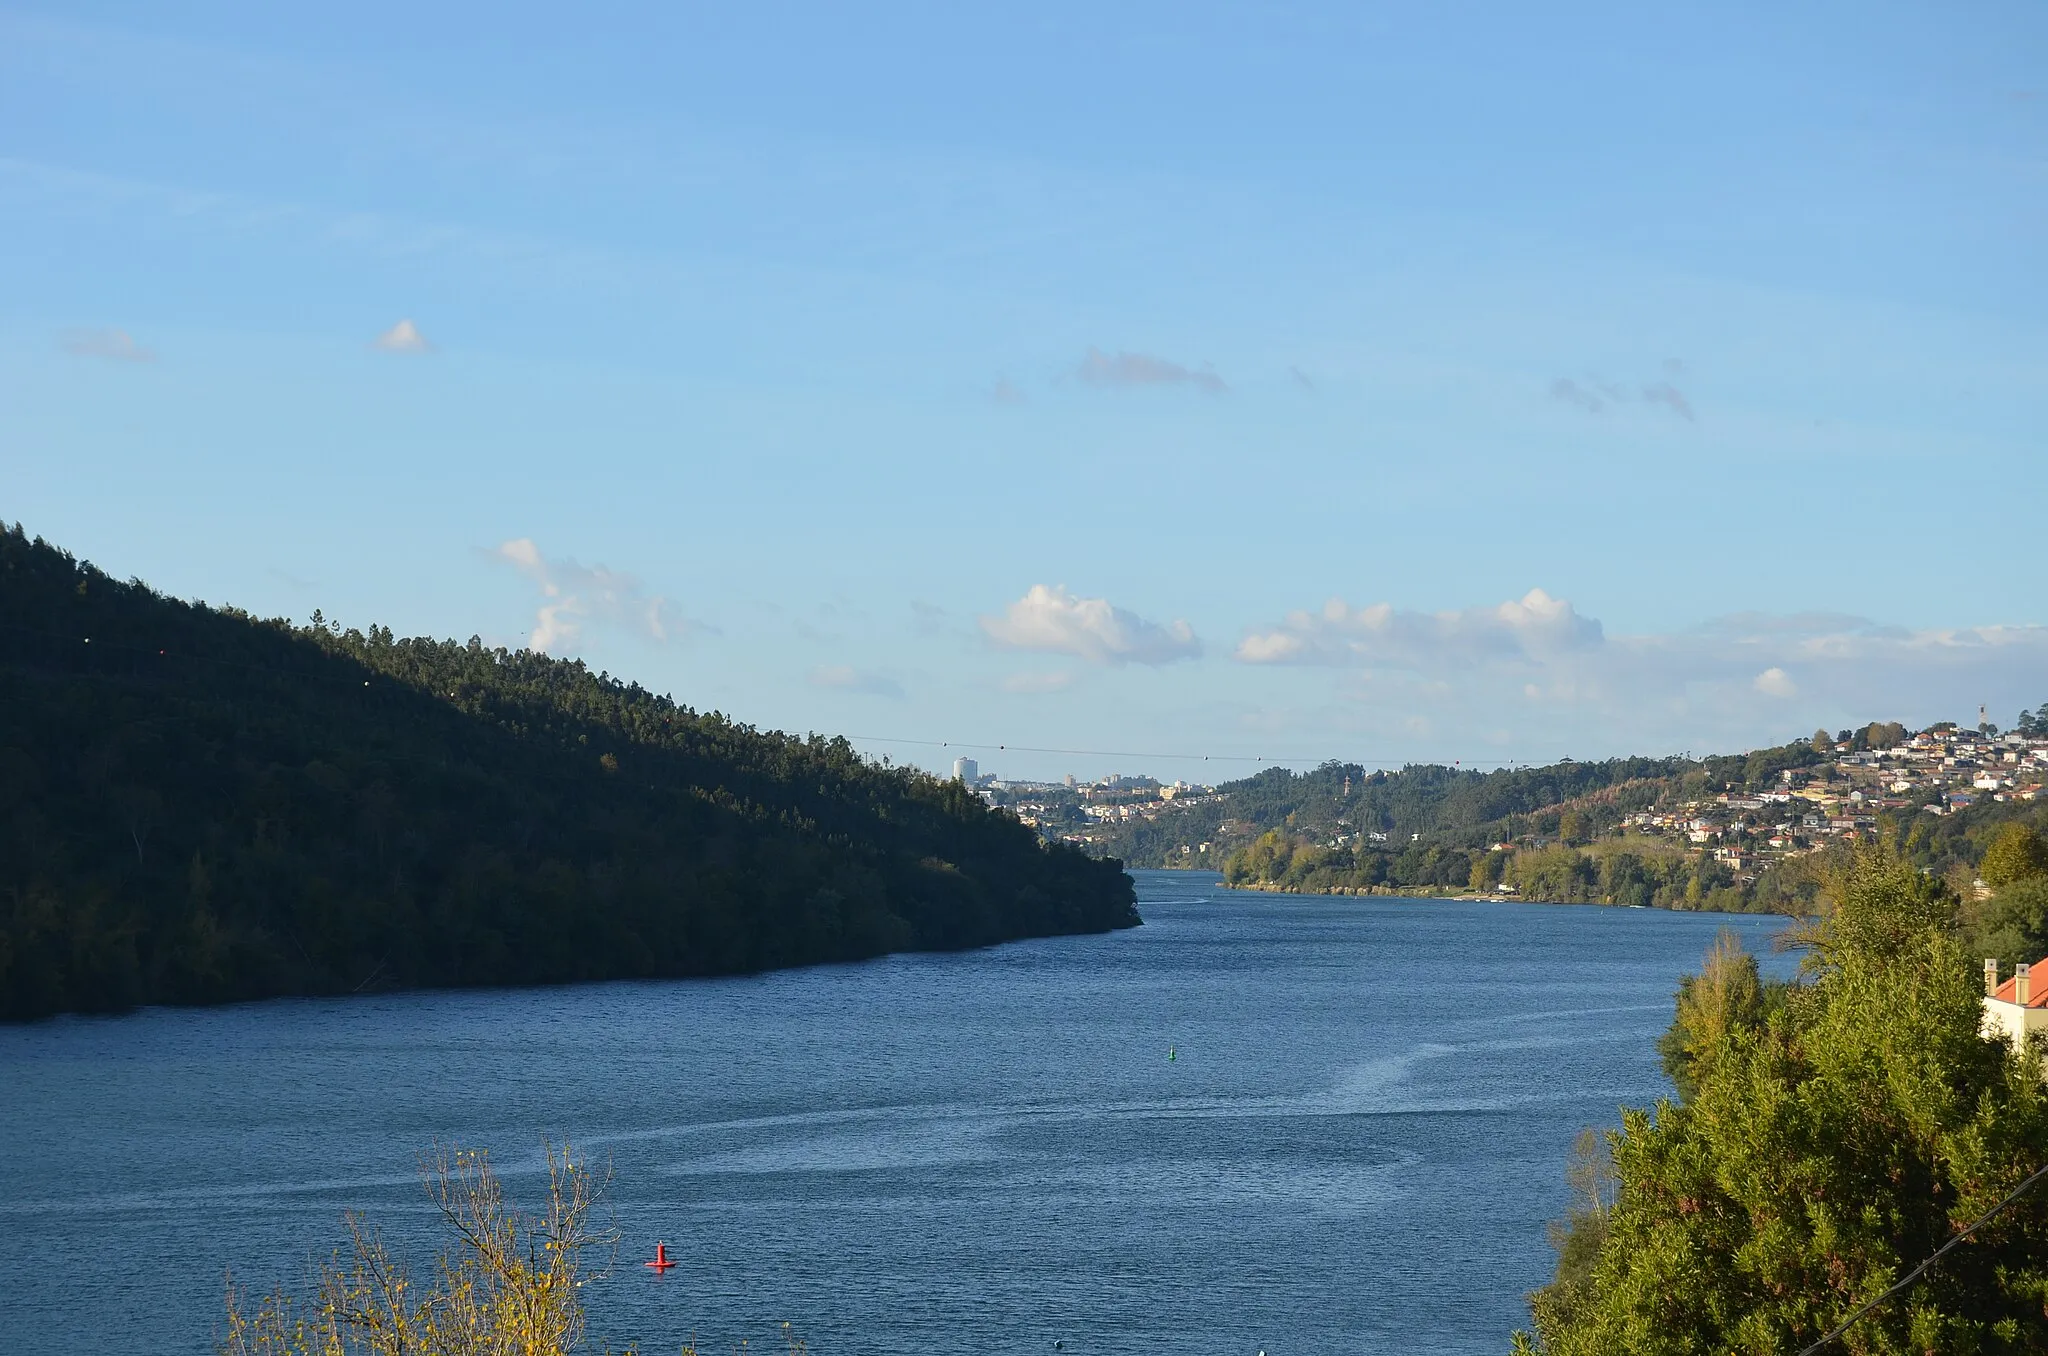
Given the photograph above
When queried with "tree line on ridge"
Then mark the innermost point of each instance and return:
(197, 806)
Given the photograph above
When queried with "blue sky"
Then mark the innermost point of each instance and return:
(1277, 382)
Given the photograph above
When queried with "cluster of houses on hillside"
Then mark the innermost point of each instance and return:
(1939, 771)
(1072, 808)
(1957, 766)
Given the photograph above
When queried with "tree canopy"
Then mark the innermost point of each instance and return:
(2016, 854)
(201, 806)
(1828, 1136)
(1616, 871)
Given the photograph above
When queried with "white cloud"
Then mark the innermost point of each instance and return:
(574, 596)
(1726, 684)
(404, 337)
(1139, 369)
(846, 678)
(1094, 629)
(1531, 626)
(114, 345)
(1775, 682)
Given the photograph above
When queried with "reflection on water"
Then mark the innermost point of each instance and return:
(1355, 1147)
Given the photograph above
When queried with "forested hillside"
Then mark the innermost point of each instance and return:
(200, 806)
(1743, 832)
(1595, 859)
(1449, 807)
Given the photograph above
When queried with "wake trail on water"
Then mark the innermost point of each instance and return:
(938, 1135)
(912, 1136)
(203, 1195)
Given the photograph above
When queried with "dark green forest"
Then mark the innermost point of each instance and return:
(200, 806)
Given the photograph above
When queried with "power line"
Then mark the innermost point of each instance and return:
(1182, 757)
(1257, 759)
(1914, 1274)
(1000, 747)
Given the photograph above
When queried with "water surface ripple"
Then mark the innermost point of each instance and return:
(1354, 1150)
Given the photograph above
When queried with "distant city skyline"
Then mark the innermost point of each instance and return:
(1072, 387)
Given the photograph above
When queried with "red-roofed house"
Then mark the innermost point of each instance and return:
(2019, 1007)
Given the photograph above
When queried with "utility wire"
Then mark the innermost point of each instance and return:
(1128, 753)
(1914, 1274)
(1261, 760)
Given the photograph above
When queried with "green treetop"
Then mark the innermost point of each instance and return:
(1828, 1137)
(2017, 854)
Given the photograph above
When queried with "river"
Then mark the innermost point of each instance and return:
(1354, 1147)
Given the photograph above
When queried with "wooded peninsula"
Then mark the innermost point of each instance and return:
(199, 806)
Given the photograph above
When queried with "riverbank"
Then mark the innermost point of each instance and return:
(1372, 891)
(1425, 892)
(1623, 870)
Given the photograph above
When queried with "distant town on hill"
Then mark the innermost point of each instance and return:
(1737, 832)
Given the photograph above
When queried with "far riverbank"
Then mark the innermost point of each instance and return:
(1423, 892)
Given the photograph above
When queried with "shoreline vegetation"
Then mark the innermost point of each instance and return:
(1426, 892)
(2001, 908)
(198, 806)
(1625, 870)
(1972, 854)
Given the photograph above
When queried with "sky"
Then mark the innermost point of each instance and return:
(1178, 387)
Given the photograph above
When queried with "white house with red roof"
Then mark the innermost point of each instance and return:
(2017, 1008)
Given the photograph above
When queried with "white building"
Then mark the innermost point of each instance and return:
(966, 770)
(2018, 1007)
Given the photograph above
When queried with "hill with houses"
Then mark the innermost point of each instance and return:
(1736, 832)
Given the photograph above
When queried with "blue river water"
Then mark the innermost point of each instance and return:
(1354, 1148)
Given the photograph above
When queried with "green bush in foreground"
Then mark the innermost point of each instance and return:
(1830, 1135)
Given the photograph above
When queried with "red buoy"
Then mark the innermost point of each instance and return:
(660, 1262)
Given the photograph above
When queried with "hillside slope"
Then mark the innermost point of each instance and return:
(1754, 831)
(199, 806)
(1447, 807)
